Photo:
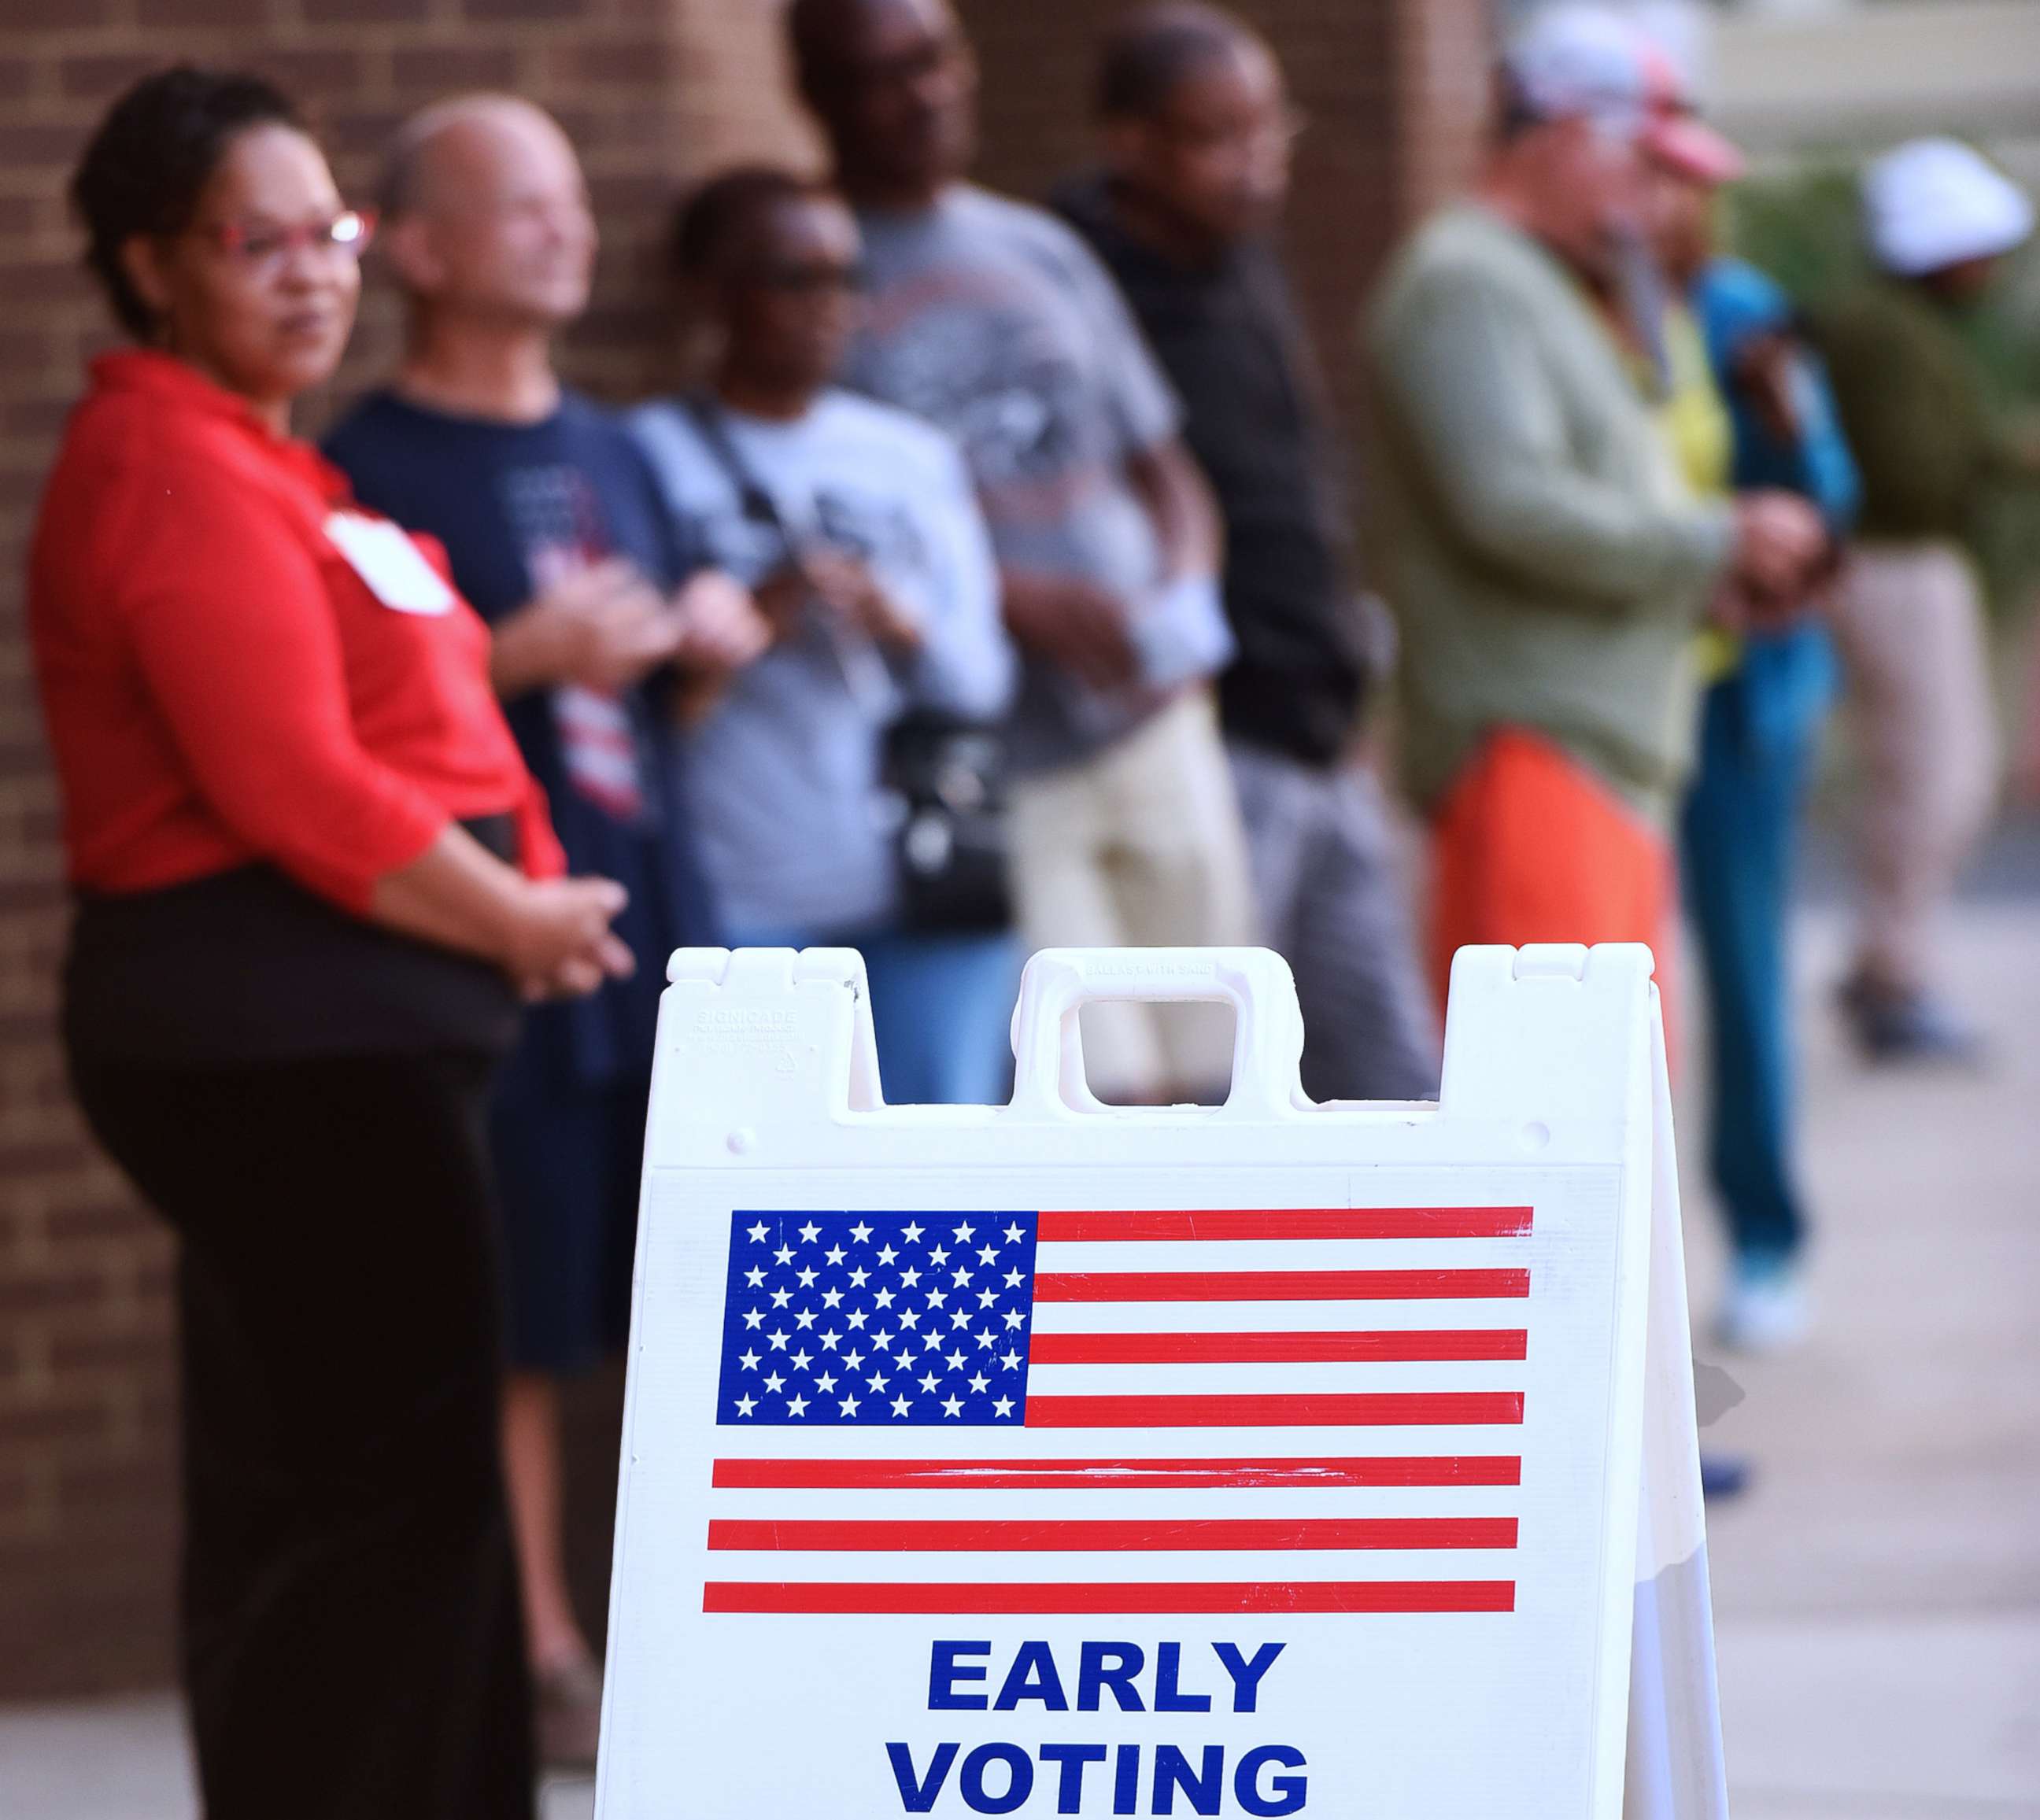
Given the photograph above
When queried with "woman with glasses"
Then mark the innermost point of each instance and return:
(313, 881)
(856, 528)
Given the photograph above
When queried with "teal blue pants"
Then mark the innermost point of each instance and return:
(941, 1008)
(1759, 730)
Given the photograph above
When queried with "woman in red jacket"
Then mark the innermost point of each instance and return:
(312, 880)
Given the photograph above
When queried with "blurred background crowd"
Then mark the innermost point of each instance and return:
(1147, 552)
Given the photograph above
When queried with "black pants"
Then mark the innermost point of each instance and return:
(353, 1642)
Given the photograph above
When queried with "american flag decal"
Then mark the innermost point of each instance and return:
(1137, 1353)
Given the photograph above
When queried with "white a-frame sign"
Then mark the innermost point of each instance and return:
(1266, 1459)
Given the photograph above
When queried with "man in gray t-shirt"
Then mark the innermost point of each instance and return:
(989, 318)
(995, 321)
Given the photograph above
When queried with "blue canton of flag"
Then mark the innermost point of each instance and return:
(877, 1321)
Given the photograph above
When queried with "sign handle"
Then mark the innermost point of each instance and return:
(1268, 1027)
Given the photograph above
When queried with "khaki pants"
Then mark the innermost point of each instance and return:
(1140, 846)
(1334, 904)
(1912, 633)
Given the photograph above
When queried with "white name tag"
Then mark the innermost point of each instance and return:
(393, 567)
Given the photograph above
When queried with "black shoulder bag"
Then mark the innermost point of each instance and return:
(943, 775)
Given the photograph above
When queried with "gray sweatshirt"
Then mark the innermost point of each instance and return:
(782, 774)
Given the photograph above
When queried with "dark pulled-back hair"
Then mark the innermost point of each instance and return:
(711, 221)
(146, 167)
(1151, 52)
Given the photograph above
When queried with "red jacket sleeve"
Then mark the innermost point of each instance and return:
(539, 849)
(229, 617)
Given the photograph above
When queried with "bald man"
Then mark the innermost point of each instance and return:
(558, 534)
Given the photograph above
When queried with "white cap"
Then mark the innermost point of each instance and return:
(1573, 59)
(1937, 202)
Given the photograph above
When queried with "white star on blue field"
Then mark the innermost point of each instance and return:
(877, 1320)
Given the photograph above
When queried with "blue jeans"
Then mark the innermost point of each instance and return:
(1758, 732)
(941, 1008)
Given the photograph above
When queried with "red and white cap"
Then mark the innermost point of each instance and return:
(1576, 60)
(1675, 135)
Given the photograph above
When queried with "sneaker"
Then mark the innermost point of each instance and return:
(1767, 1308)
(1901, 1025)
(568, 1712)
(1723, 1476)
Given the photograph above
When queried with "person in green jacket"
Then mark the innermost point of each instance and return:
(1547, 563)
(1916, 409)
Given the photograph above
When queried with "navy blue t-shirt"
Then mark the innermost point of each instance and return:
(513, 504)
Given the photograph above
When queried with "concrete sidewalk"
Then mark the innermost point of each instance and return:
(1878, 1592)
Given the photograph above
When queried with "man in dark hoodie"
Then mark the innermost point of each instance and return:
(1197, 128)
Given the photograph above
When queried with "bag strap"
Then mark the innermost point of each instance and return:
(855, 657)
(754, 498)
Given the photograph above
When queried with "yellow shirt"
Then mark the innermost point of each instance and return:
(1694, 422)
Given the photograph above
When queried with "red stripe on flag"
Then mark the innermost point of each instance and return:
(1332, 1472)
(933, 1598)
(1279, 1286)
(1289, 1223)
(1370, 1410)
(1416, 1344)
(945, 1536)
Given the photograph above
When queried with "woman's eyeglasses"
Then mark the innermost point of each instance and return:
(263, 248)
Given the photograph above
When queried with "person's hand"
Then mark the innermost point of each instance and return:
(622, 635)
(1781, 541)
(782, 596)
(1731, 608)
(604, 626)
(721, 628)
(1736, 608)
(1764, 378)
(1076, 625)
(560, 945)
(845, 585)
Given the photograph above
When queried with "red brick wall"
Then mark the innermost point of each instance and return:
(654, 91)
(1444, 64)
(1393, 90)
